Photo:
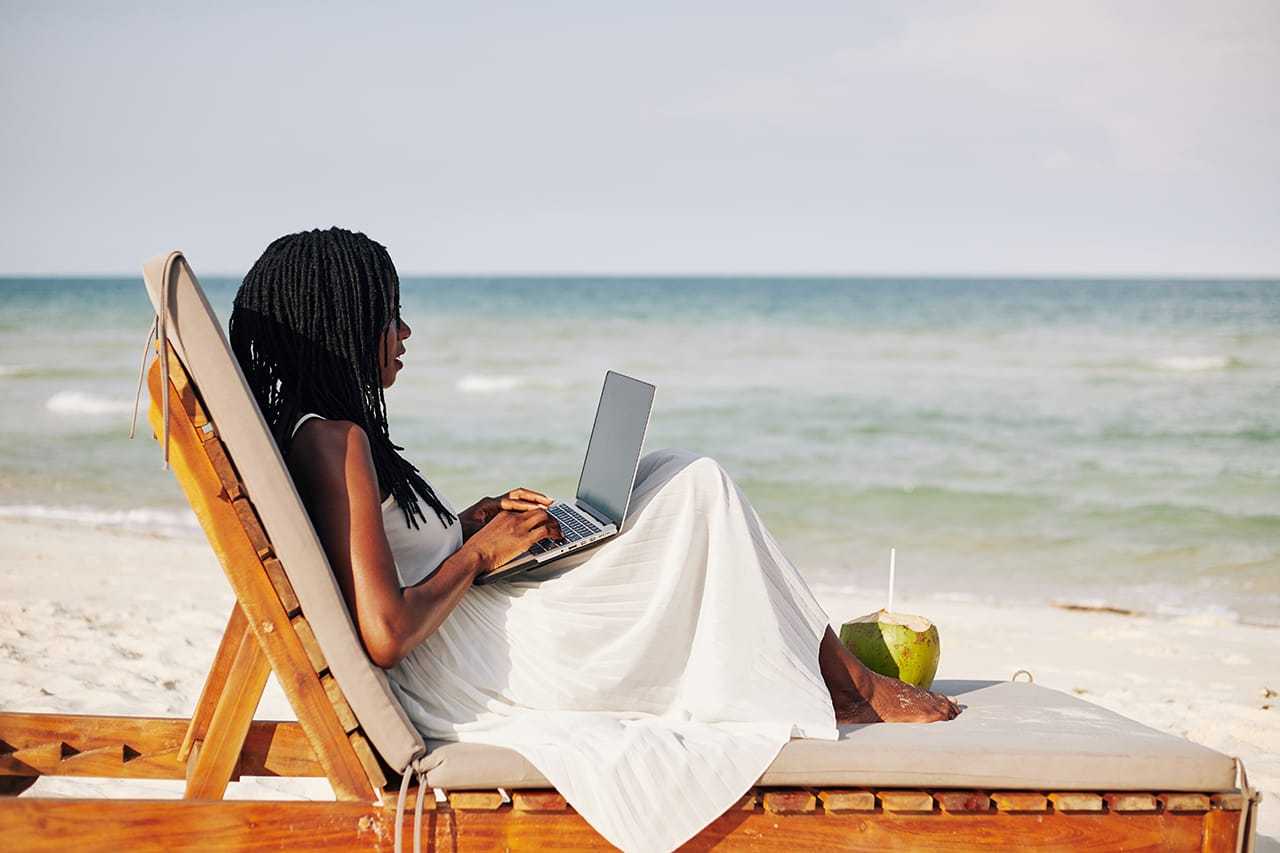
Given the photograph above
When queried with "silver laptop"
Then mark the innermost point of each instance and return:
(608, 475)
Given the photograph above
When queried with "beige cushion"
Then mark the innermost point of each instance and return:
(196, 335)
(1010, 736)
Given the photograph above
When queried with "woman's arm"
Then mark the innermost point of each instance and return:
(333, 468)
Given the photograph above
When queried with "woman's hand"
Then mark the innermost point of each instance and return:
(509, 534)
(484, 510)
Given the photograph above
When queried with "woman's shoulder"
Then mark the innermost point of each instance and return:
(318, 432)
(327, 450)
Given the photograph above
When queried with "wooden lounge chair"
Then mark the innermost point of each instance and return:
(1023, 768)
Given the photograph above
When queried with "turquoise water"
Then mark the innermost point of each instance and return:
(1084, 441)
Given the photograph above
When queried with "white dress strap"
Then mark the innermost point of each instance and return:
(302, 420)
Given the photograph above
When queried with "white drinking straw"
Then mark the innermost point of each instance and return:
(893, 553)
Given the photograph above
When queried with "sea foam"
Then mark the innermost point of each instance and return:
(146, 519)
(480, 384)
(1191, 363)
(80, 403)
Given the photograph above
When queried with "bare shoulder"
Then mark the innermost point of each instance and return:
(325, 436)
(329, 452)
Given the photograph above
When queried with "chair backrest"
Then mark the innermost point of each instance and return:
(196, 336)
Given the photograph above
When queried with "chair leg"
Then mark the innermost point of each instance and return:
(216, 681)
(213, 761)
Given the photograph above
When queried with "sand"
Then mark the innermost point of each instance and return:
(110, 621)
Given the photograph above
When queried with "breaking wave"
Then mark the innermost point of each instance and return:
(1193, 363)
(481, 384)
(144, 519)
(80, 403)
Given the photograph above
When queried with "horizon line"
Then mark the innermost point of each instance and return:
(895, 276)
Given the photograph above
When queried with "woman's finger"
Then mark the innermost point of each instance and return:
(519, 505)
(548, 528)
(537, 534)
(530, 495)
(533, 518)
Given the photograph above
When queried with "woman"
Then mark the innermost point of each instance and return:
(686, 648)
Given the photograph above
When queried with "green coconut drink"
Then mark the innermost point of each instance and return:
(895, 644)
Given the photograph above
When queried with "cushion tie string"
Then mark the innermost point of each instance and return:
(142, 372)
(159, 333)
(417, 811)
(1245, 831)
(415, 767)
(404, 790)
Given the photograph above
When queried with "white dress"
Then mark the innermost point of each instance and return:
(652, 679)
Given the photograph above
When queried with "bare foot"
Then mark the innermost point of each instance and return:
(893, 701)
(862, 696)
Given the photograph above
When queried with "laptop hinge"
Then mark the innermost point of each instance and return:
(589, 510)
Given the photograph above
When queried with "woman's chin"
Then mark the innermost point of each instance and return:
(389, 376)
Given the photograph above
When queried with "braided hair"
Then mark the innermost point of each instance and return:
(308, 322)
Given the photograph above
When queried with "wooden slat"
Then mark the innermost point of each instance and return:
(309, 642)
(232, 489)
(187, 400)
(236, 630)
(843, 800)
(164, 825)
(1076, 801)
(960, 802)
(790, 801)
(265, 614)
(339, 702)
(248, 517)
(538, 801)
(364, 752)
(1186, 802)
(270, 749)
(284, 589)
(905, 801)
(391, 796)
(219, 753)
(1020, 801)
(1231, 802)
(748, 802)
(474, 800)
(144, 734)
(1131, 802)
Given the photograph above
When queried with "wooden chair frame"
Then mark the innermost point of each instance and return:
(268, 632)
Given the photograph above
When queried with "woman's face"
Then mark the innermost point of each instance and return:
(390, 348)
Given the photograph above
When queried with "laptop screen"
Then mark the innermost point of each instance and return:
(613, 453)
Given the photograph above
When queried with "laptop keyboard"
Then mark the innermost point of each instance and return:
(572, 525)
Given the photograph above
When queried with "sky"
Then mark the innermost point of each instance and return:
(950, 138)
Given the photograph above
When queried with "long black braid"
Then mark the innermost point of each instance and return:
(306, 327)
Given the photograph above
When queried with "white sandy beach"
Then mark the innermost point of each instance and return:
(110, 621)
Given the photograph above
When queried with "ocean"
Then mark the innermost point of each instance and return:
(1096, 442)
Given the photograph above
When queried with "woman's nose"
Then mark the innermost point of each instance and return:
(404, 331)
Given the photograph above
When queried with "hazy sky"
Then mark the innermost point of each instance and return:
(1001, 137)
